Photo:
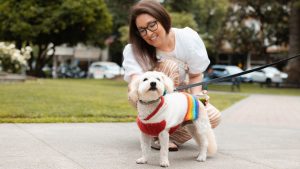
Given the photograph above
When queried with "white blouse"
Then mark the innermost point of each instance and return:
(189, 48)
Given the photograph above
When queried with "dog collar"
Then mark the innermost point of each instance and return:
(149, 102)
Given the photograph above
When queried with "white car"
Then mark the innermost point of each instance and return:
(226, 70)
(100, 70)
(268, 75)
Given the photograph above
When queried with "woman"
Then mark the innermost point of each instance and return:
(155, 45)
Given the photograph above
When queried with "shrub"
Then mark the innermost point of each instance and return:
(13, 60)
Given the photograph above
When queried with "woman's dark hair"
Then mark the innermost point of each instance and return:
(145, 54)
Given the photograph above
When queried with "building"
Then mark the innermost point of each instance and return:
(80, 55)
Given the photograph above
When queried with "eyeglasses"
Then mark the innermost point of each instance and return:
(152, 26)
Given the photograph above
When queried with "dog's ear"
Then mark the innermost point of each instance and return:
(133, 91)
(168, 82)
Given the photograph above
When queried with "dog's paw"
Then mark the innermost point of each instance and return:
(141, 160)
(165, 163)
(201, 158)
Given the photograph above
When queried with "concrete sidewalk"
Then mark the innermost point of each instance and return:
(261, 132)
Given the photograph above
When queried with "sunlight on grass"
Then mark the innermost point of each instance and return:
(257, 89)
(65, 101)
(69, 100)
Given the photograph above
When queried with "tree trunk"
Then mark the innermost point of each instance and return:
(40, 61)
(294, 44)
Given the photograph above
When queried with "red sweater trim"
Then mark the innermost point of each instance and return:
(153, 129)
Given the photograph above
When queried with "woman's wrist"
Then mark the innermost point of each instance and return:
(195, 78)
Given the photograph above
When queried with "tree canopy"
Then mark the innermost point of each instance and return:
(254, 25)
(120, 13)
(57, 21)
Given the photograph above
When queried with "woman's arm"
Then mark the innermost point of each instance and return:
(195, 78)
(130, 64)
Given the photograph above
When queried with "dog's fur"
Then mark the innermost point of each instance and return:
(147, 91)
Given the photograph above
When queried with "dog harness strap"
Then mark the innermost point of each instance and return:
(162, 101)
(193, 107)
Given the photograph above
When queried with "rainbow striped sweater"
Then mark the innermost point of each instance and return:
(192, 112)
(153, 129)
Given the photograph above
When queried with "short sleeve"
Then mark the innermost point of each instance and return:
(197, 60)
(130, 65)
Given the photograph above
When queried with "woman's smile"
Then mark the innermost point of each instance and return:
(150, 29)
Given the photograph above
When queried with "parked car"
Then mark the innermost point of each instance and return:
(268, 75)
(100, 70)
(217, 71)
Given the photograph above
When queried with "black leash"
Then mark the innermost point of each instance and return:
(234, 75)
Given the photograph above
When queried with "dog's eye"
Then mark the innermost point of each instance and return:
(145, 79)
(158, 79)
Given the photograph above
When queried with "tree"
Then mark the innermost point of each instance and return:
(178, 6)
(254, 25)
(210, 16)
(120, 12)
(51, 23)
(294, 43)
(183, 19)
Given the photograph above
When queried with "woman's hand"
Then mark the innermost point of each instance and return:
(203, 97)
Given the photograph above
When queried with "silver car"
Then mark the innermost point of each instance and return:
(100, 70)
(268, 75)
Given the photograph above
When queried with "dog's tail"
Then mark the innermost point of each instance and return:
(212, 144)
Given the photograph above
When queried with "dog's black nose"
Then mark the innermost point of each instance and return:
(153, 84)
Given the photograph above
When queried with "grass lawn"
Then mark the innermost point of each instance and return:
(69, 100)
(257, 89)
(65, 101)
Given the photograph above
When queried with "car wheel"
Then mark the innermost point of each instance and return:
(268, 82)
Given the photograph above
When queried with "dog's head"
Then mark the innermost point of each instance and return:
(150, 86)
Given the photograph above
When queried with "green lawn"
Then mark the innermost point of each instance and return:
(67, 100)
(257, 89)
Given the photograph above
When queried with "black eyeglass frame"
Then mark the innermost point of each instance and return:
(149, 27)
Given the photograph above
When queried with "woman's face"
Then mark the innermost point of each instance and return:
(150, 30)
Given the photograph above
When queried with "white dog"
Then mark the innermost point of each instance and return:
(161, 111)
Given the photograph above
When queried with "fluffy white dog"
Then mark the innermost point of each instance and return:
(161, 111)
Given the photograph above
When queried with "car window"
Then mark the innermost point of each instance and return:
(219, 69)
(271, 70)
(97, 66)
(234, 70)
(219, 72)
